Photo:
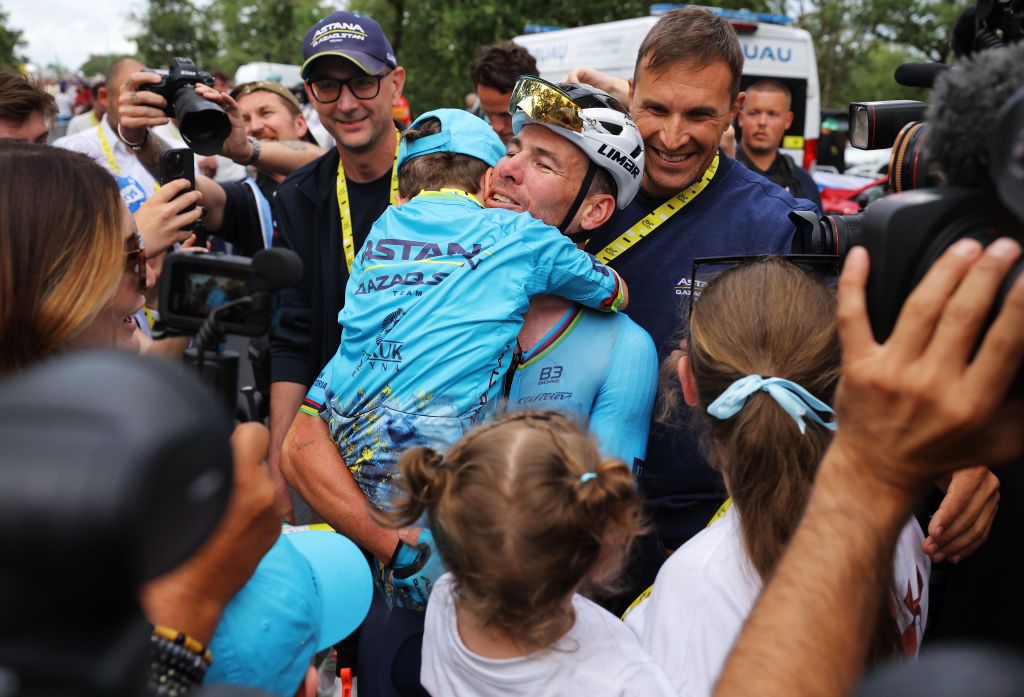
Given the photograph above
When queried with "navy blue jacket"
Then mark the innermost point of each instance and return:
(740, 212)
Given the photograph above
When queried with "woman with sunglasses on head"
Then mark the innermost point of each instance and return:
(72, 275)
(72, 266)
(761, 363)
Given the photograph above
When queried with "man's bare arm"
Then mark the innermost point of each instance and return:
(909, 410)
(311, 463)
(285, 400)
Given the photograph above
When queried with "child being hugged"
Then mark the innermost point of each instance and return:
(526, 514)
(434, 303)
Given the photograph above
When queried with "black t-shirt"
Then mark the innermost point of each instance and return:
(786, 174)
(308, 222)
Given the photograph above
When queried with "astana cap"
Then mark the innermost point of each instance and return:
(355, 37)
(461, 133)
(310, 591)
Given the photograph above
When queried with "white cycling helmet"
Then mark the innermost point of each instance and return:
(590, 119)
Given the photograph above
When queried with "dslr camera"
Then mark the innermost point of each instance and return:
(960, 174)
(203, 124)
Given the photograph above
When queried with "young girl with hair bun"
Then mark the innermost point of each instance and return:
(526, 515)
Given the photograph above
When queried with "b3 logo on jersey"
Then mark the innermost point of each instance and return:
(550, 375)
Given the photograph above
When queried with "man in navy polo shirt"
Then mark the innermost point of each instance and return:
(693, 202)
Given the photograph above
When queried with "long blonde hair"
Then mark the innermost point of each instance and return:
(61, 249)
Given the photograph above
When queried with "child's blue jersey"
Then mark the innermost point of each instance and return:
(601, 369)
(434, 302)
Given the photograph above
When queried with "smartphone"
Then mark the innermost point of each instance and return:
(179, 163)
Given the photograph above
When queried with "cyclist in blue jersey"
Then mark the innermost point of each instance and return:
(600, 368)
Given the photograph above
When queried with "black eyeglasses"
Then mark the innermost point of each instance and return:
(706, 269)
(327, 89)
(135, 253)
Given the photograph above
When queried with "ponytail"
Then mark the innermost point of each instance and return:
(423, 481)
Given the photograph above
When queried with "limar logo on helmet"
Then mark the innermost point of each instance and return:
(625, 161)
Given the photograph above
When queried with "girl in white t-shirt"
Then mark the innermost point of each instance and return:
(761, 362)
(525, 514)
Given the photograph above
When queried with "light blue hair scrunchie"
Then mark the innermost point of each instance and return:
(794, 399)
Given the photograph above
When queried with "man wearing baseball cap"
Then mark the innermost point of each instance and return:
(324, 210)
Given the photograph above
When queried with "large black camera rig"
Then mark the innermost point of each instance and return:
(960, 174)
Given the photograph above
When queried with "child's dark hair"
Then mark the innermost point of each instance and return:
(438, 170)
(524, 512)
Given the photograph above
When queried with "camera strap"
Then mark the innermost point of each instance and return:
(348, 244)
(652, 221)
(109, 152)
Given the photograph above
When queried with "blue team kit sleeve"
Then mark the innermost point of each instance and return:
(562, 269)
(621, 414)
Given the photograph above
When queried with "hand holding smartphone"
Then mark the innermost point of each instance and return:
(179, 163)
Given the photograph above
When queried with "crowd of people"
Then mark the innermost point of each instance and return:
(552, 457)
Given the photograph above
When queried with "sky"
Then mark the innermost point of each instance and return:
(69, 30)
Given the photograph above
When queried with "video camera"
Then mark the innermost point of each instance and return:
(210, 295)
(203, 124)
(973, 143)
(98, 496)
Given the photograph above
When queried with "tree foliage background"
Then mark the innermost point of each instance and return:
(858, 42)
(10, 44)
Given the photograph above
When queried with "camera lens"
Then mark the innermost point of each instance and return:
(847, 230)
(203, 124)
(909, 165)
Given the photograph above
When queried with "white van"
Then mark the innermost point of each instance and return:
(287, 75)
(771, 48)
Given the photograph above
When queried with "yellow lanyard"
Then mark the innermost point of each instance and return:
(651, 222)
(345, 209)
(722, 510)
(105, 144)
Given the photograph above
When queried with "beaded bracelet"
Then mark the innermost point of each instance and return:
(178, 663)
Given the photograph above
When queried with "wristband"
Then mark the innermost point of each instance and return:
(178, 663)
(255, 152)
(134, 146)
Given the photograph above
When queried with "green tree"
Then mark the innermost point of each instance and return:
(871, 76)
(99, 63)
(923, 25)
(262, 30)
(10, 43)
(172, 28)
(859, 43)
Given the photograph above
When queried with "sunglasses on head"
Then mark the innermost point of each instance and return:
(135, 262)
(542, 102)
(705, 269)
